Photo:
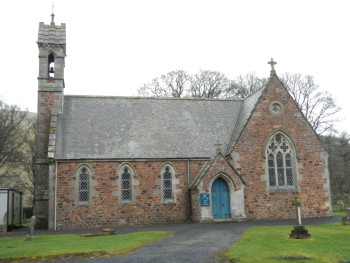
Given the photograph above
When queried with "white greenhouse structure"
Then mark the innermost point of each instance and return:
(11, 208)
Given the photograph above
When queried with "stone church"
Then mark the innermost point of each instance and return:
(115, 161)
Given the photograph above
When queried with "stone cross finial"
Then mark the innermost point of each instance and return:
(272, 63)
(218, 144)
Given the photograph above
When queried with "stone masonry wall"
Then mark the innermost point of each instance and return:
(105, 209)
(248, 157)
(46, 102)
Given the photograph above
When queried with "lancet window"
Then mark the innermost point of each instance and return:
(126, 184)
(84, 176)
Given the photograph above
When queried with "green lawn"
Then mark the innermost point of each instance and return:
(328, 243)
(57, 246)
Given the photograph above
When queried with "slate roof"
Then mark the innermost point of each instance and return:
(143, 128)
(247, 108)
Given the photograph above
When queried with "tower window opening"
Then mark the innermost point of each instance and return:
(51, 66)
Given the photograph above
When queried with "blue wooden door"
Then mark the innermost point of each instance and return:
(220, 199)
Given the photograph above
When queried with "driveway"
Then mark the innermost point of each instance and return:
(192, 242)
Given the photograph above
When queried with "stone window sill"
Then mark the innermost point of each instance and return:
(282, 190)
(125, 202)
(169, 201)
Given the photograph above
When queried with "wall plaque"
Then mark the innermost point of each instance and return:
(205, 201)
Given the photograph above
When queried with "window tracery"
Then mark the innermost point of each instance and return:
(280, 158)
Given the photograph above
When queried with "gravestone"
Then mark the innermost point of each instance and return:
(30, 236)
(341, 205)
(346, 219)
(299, 231)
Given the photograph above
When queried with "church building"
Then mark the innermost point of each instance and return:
(117, 161)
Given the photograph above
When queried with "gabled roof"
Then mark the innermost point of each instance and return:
(246, 110)
(207, 166)
(143, 128)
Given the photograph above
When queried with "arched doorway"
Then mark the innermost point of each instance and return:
(220, 195)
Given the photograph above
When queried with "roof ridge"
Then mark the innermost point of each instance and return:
(150, 98)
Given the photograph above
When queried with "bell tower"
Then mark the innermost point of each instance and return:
(52, 52)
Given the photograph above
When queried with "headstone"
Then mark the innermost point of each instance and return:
(32, 225)
(30, 236)
(341, 205)
(346, 219)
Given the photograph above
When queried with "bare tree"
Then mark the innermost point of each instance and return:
(172, 84)
(318, 107)
(208, 84)
(243, 86)
(27, 167)
(11, 138)
(339, 162)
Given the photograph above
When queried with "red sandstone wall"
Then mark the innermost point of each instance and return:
(259, 203)
(105, 209)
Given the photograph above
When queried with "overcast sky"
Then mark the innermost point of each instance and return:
(113, 47)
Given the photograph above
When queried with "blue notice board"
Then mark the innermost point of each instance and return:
(205, 201)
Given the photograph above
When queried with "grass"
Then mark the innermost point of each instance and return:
(328, 243)
(60, 246)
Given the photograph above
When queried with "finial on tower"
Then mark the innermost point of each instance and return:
(272, 63)
(53, 14)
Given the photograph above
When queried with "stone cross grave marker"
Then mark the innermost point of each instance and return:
(297, 203)
(299, 231)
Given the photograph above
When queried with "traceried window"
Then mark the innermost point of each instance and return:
(167, 184)
(126, 184)
(280, 158)
(84, 185)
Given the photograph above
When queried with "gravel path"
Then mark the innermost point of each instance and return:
(187, 242)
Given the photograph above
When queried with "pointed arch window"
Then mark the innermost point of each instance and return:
(126, 184)
(84, 177)
(168, 183)
(281, 162)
